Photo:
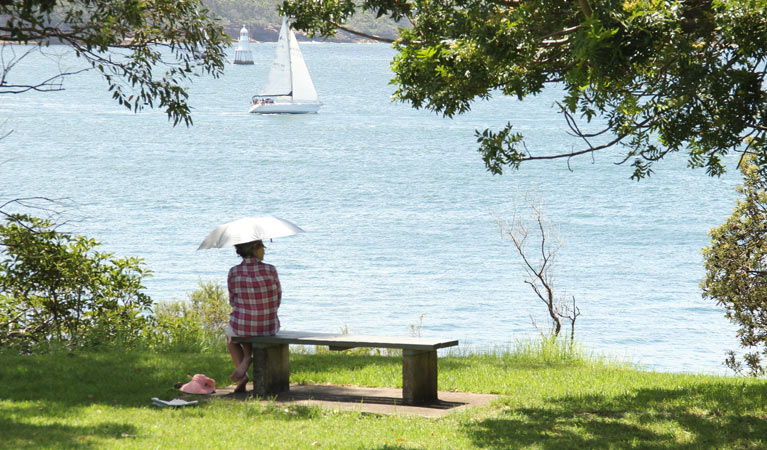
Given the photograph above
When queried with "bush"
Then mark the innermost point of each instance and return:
(58, 290)
(211, 304)
(736, 269)
(195, 325)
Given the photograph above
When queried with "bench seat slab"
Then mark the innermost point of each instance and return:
(350, 341)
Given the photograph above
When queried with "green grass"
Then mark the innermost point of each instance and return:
(550, 399)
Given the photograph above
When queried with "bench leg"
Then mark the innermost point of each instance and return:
(271, 370)
(419, 377)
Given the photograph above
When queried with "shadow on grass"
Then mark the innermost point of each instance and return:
(395, 447)
(21, 435)
(81, 379)
(702, 416)
(251, 407)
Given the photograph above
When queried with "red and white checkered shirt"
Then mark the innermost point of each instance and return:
(255, 294)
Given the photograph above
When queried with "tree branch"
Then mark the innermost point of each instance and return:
(359, 33)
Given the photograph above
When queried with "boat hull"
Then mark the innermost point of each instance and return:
(285, 108)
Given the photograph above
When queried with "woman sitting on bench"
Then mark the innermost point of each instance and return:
(254, 294)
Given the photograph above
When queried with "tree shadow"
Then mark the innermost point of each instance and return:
(281, 412)
(394, 447)
(22, 435)
(702, 416)
(63, 380)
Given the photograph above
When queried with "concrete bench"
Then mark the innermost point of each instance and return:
(271, 360)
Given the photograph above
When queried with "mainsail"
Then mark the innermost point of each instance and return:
(289, 75)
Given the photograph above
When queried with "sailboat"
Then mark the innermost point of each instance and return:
(289, 88)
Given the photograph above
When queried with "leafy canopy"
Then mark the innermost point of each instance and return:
(736, 269)
(652, 77)
(144, 49)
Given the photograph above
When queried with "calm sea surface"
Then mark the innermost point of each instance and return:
(399, 210)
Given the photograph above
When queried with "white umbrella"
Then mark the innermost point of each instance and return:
(249, 229)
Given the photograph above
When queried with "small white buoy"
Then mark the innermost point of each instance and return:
(242, 54)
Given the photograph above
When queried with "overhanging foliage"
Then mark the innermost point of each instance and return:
(162, 43)
(656, 77)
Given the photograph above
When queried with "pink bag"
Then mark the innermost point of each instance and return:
(200, 384)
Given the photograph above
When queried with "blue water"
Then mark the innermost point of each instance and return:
(400, 213)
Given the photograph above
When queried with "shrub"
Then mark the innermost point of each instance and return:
(211, 304)
(58, 290)
(195, 325)
(736, 269)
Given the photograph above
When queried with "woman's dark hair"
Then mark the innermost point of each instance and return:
(248, 249)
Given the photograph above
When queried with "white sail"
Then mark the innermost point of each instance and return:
(303, 88)
(278, 82)
(289, 88)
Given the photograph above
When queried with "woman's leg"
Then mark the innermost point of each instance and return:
(237, 354)
(242, 367)
(240, 353)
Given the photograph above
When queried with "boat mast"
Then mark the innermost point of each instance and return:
(291, 39)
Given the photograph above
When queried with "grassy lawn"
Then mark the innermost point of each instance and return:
(102, 400)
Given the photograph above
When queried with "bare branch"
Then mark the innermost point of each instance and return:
(591, 148)
(33, 203)
(359, 33)
(540, 272)
(51, 84)
(508, 3)
(566, 312)
(562, 32)
(555, 42)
